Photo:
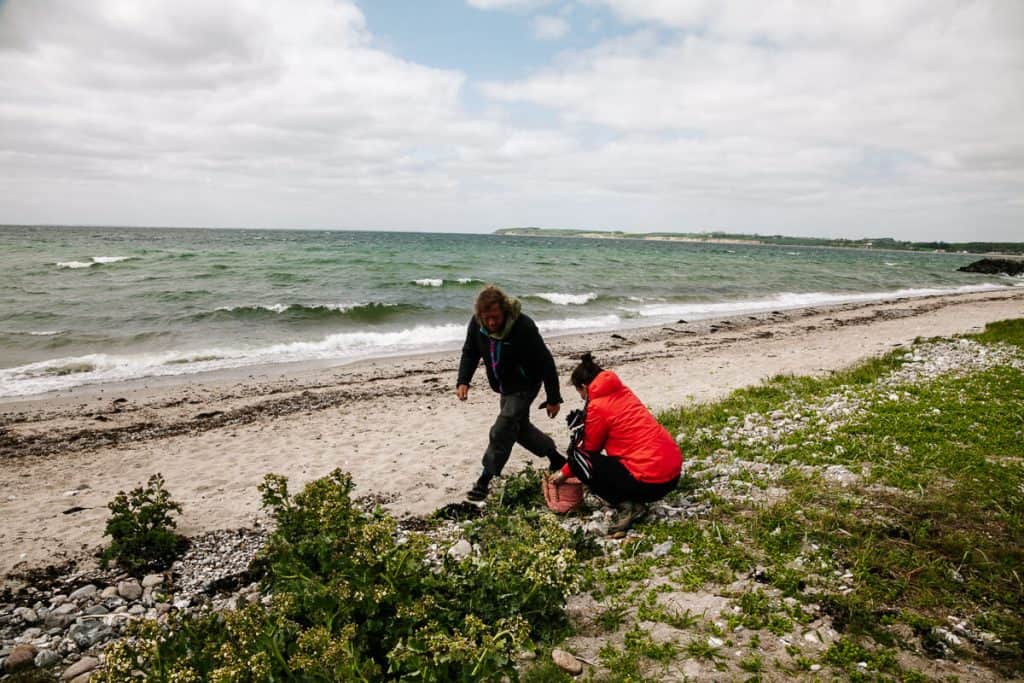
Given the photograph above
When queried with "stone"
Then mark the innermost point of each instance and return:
(152, 580)
(96, 610)
(566, 662)
(22, 657)
(460, 550)
(83, 593)
(27, 615)
(109, 592)
(65, 609)
(994, 266)
(57, 621)
(82, 666)
(662, 549)
(129, 590)
(83, 678)
(47, 658)
(88, 633)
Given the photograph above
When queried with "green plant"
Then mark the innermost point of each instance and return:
(141, 528)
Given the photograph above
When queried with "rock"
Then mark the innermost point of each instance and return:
(47, 658)
(66, 608)
(129, 590)
(460, 550)
(994, 266)
(715, 642)
(83, 593)
(83, 678)
(152, 580)
(82, 666)
(566, 662)
(88, 633)
(662, 549)
(109, 592)
(27, 615)
(57, 621)
(22, 657)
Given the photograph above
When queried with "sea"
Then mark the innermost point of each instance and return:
(87, 305)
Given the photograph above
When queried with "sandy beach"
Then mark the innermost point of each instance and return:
(394, 423)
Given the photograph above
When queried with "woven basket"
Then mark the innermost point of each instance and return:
(563, 497)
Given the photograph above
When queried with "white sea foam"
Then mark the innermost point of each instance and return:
(94, 261)
(44, 333)
(469, 280)
(789, 300)
(566, 299)
(47, 376)
(606, 322)
(429, 282)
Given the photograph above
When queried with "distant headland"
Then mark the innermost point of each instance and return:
(780, 240)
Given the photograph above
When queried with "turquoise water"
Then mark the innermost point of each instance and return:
(88, 305)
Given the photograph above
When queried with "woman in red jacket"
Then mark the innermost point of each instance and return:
(641, 461)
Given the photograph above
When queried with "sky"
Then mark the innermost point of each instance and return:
(887, 118)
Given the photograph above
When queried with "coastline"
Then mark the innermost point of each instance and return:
(393, 423)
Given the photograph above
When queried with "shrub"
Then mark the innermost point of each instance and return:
(352, 600)
(140, 528)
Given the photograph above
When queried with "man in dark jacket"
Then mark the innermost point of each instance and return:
(517, 363)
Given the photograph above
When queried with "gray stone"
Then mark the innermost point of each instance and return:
(27, 615)
(662, 549)
(97, 609)
(83, 678)
(66, 608)
(31, 633)
(82, 666)
(109, 592)
(152, 580)
(566, 662)
(21, 657)
(88, 633)
(129, 590)
(46, 658)
(57, 621)
(460, 550)
(83, 593)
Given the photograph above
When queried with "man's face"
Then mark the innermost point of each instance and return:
(493, 318)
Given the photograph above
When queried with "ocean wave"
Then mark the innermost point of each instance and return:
(363, 312)
(566, 299)
(36, 333)
(65, 373)
(94, 261)
(605, 322)
(441, 282)
(789, 300)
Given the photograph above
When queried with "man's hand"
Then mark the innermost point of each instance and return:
(552, 409)
(556, 478)
(462, 392)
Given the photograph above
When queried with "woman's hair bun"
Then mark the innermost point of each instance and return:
(587, 358)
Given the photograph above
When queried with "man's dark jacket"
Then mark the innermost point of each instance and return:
(518, 361)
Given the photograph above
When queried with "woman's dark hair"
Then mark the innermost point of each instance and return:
(586, 371)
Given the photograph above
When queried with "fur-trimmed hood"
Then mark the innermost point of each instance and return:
(515, 309)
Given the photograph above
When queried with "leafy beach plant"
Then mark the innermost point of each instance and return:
(141, 528)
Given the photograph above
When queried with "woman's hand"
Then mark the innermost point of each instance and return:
(556, 478)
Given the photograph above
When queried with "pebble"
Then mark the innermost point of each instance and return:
(566, 662)
(461, 550)
(21, 657)
(29, 616)
(82, 666)
(129, 590)
(47, 658)
(83, 593)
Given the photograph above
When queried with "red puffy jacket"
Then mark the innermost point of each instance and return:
(619, 424)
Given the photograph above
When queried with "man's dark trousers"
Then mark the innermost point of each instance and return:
(513, 426)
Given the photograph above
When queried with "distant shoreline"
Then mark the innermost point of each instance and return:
(1007, 249)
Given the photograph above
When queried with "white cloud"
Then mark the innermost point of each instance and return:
(547, 27)
(901, 118)
(920, 98)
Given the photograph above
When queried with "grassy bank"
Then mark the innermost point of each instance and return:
(864, 526)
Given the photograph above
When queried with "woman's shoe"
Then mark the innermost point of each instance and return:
(629, 513)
